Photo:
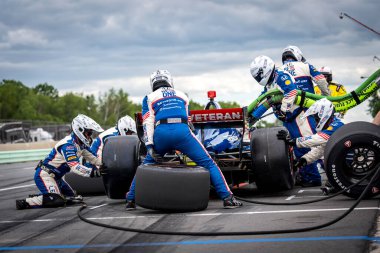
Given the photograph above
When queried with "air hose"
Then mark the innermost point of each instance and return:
(305, 202)
(264, 232)
(306, 99)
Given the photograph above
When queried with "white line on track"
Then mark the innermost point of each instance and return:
(310, 190)
(28, 168)
(97, 206)
(290, 197)
(202, 214)
(17, 187)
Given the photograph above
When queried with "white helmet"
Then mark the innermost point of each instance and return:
(83, 126)
(324, 110)
(161, 78)
(292, 52)
(126, 124)
(262, 70)
(327, 72)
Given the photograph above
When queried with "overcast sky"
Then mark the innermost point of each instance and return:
(91, 46)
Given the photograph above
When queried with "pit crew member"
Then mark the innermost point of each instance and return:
(336, 89)
(64, 158)
(327, 124)
(263, 70)
(125, 126)
(165, 123)
(303, 72)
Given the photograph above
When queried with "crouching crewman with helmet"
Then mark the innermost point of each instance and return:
(64, 158)
(327, 123)
(125, 126)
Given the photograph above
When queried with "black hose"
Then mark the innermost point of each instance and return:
(304, 202)
(297, 230)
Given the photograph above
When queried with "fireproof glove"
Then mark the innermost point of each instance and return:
(153, 154)
(284, 135)
(95, 173)
(103, 169)
(300, 163)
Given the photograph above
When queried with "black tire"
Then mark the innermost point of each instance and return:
(175, 189)
(85, 185)
(351, 153)
(121, 157)
(271, 160)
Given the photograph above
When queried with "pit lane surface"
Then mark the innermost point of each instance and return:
(60, 230)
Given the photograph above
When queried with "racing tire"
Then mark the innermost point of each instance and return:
(271, 161)
(351, 153)
(121, 158)
(85, 185)
(175, 189)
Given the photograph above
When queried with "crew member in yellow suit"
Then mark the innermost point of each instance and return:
(335, 88)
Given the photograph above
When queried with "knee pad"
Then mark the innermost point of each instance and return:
(52, 200)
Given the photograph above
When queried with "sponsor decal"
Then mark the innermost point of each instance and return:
(287, 82)
(330, 128)
(70, 148)
(234, 114)
(284, 77)
(71, 158)
(336, 179)
(347, 143)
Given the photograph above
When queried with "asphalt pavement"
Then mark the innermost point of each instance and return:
(60, 230)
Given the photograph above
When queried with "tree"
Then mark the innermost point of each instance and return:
(46, 90)
(11, 94)
(374, 104)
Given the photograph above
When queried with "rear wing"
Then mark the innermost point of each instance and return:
(203, 119)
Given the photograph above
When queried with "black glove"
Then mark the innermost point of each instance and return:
(281, 115)
(153, 154)
(300, 163)
(251, 120)
(284, 135)
(95, 173)
(103, 169)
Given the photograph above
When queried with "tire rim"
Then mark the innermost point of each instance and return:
(360, 160)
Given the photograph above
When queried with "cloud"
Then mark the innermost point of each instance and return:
(92, 46)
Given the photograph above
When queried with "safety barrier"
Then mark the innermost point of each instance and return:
(23, 155)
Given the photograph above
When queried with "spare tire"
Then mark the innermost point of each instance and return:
(84, 185)
(176, 189)
(351, 153)
(271, 160)
(121, 158)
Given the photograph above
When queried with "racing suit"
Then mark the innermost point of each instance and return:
(317, 142)
(305, 74)
(336, 90)
(165, 116)
(290, 115)
(63, 158)
(98, 144)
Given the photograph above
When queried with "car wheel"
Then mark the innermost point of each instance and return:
(179, 189)
(121, 157)
(271, 160)
(351, 153)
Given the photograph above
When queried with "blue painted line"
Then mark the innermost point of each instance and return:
(208, 242)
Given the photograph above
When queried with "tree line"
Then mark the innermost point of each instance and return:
(43, 103)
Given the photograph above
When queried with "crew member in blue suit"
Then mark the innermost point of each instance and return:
(125, 126)
(64, 158)
(165, 115)
(327, 123)
(264, 71)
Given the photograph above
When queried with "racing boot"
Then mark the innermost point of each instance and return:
(70, 200)
(231, 202)
(22, 204)
(131, 205)
(328, 189)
